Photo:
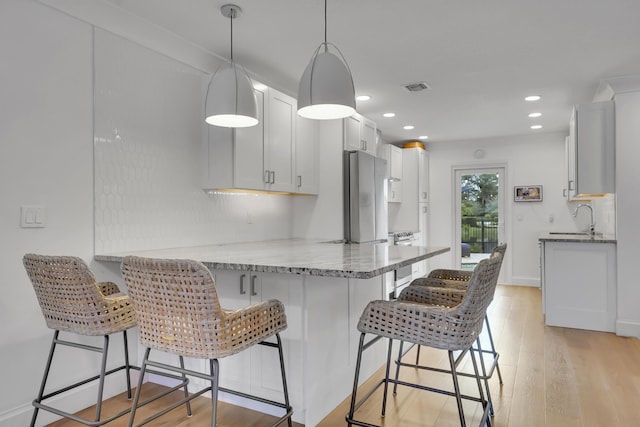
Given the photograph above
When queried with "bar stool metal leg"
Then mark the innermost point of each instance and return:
(44, 377)
(127, 365)
(214, 369)
(103, 368)
(186, 391)
(493, 347)
(386, 379)
(456, 388)
(284, 379)
(136, 397)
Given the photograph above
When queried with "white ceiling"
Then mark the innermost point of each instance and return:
(480, 57)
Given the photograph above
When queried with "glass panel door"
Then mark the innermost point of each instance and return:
(479, 214)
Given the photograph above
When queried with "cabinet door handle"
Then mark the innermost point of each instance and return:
(393, 194)
(267, 177)
(253, 286)
(424, 194)
(571, 185)
(299, 181)
(564, 192)
(424, 209)
(242, 290)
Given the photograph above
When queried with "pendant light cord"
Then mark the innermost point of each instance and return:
(326, 48)
(231, 16)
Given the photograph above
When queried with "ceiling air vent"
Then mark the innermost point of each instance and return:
(416, 87)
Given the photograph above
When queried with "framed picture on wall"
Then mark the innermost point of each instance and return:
(527, 193)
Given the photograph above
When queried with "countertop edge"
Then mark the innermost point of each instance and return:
(302, 270)
(574, 238)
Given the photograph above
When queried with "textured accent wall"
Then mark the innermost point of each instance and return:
(148, 132)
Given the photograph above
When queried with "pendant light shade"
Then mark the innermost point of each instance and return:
(231, 100)
(326, 88)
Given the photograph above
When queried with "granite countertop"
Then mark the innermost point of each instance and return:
(297, 256)
(575, 237)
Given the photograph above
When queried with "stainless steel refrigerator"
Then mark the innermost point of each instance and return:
(365, 197)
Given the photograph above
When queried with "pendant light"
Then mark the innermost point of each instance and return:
(231, 101)
(326, 87)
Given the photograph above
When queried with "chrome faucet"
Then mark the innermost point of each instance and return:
(592, 226)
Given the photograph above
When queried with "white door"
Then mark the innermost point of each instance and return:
(480, 213)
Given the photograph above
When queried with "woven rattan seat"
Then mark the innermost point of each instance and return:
(72, 301)
(178, 312)
(453, 328)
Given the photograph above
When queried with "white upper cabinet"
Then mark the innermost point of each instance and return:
(306, 156)
(249, 150)
(279, 146)
(423, 176)
(360, 134)
(279, 154)
(393, 155)
(590, 150)
(414, 191)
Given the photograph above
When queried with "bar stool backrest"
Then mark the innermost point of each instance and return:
(70, 298)
(479, 294)
(177, 307)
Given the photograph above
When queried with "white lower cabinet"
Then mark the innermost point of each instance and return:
(320, 342)
(256, 371)
(579, 285)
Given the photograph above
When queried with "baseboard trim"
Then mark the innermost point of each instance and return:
(628, 328)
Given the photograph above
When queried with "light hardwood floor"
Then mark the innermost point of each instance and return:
(553, 377)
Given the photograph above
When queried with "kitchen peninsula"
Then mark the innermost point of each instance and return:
(324, 287)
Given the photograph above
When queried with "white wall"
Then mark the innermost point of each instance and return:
(627, 107)
(46, 158)
(530, 160)
(149, 132)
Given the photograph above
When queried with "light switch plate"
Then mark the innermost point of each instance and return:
(32, 216)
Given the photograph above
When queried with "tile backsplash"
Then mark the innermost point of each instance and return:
(148, 132)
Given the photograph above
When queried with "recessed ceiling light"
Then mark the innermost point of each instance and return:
(389, 114)
(533, 98)
(408, 127)
(423, 137)
(536, 127)
(363, 98)
(534, 115)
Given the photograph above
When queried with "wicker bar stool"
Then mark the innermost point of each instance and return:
(72, 301)
(459, 279)
(448, 328)
(178, 312)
